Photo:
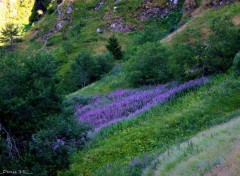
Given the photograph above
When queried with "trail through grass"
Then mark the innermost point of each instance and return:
(199, 154)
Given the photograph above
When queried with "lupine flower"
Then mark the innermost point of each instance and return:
(124, 104)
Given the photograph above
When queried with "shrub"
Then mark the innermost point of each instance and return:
(148, 65)
(27, 90)
(222, 45)
(27, 97)
(51, 147)
(104, 63)
(236, 63)
(183, 64)
(83, 70)
(33, 135)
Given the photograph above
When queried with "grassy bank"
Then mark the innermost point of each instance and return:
(160, 127)
(200, 154)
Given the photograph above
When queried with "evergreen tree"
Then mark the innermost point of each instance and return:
(9, 33)
(115, 48)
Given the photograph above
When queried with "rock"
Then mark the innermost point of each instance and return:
(189, 6)
(98, 30)
(59, 25)
(98, 6)
(69, 10)
(175, 2)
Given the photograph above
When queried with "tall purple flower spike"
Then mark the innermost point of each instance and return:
(125, 104)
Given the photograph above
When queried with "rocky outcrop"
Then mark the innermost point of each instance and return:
(153, 9)
(190, 7)
(64, 18)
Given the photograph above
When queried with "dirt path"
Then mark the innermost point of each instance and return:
(169, 36)
(231, 167)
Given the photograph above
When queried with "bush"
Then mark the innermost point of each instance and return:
(27, 97)
(27, 91)
(50, 148)
(236, 63)
(104, 63)
(34, 136)
(183, 63)
(221, 46)
(148, 65)
(83, 70)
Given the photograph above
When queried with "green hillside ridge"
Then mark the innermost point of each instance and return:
(196, 30)
(78, 31)
(73, 29)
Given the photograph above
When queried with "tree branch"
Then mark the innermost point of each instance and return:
(10, 143)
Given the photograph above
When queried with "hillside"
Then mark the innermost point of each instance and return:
(75, 30)
(194, 32)
(120, 87)
(115, 149)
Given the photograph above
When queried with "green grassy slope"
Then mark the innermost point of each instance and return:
(196, 29)
(79, 33)
(197, 156)
(157, 129)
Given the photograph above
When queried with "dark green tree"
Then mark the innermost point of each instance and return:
(115, 48)
(9, 33)
(83, 70)
(27, 93)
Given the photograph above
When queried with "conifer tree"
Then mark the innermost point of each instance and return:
(9, 33)
(115, 48)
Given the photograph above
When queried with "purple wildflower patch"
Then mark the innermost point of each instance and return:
(124, 104)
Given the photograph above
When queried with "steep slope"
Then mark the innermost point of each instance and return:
(195, 30)
(114, 148)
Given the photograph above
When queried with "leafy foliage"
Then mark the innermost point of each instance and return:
(85, 69)
(82, 69)
(236, 63)
(33, 133)
(148, 65)
(115, 48)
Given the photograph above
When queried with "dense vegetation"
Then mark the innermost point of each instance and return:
(136, 94)
(33, 131)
